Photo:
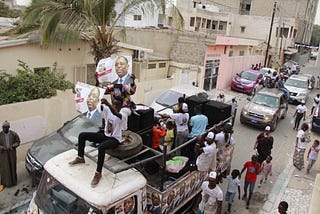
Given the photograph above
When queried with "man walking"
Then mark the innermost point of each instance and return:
(264, 144)
(299, 114)
(110, 139)
(9, 141)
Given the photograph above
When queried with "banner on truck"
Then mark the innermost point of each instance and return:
(87, 96)
(108, 68)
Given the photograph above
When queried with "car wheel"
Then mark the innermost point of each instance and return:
(274, 126)
(131, 146)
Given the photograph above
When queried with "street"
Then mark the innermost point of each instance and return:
(244, 135)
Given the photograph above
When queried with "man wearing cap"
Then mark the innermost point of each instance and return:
(264, 144)
(212, 196)
(207, 159)
(9, 141)
(299, 114)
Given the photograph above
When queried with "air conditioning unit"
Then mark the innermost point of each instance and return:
(142, 56)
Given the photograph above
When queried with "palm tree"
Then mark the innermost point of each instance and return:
(64, 21)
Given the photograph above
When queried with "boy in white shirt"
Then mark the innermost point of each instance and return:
(313, 154)
(233, 185)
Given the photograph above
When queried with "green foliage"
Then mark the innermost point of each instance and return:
(27, 85)
(5, 11)
(315, 37)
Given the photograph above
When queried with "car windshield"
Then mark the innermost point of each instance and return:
(170, 98)
(297, 83)
(73, 128)
(249, 76)
(52, 197)
(266, 100)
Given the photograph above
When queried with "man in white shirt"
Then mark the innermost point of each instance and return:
(110, 139)
(299, 114)
(315, 103)
(212, 196)
(207, 160)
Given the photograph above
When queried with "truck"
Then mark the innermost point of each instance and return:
(139, 183)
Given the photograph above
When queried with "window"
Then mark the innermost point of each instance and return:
(208, 23)
(213, 26)
(137, 17)
(220, 27)
(40, 69)
(152, 66)
(243, 29)
(203, 24)
(162, 65)
(241, 53)
(191, 21)
(230, 53)
(248, 6)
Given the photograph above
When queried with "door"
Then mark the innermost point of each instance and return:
(211, 74)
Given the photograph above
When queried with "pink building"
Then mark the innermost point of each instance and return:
(228, 56)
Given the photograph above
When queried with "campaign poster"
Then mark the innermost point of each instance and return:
(110, 69)
(87, 97)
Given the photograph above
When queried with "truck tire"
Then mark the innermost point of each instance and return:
(131, 146)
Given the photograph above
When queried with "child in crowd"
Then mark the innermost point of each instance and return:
(233, 185)
(169, 137)
(266, 168)
(158, 133)
(313, 154)
(252, 168)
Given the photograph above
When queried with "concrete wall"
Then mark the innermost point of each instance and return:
(314, 205)
(36, 118)
(67, 57)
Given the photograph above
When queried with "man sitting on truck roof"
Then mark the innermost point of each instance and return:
(110, 139)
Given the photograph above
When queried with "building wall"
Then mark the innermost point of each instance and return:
(36, 118)
(66, 57)
(229, 66)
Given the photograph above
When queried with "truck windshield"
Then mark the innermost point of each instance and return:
(52, 197)
(263, 99)
(73, 128)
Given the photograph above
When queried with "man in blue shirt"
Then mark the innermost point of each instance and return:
(198, 122)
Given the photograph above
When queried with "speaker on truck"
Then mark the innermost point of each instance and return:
(216, 111)
(141, 119)
(193, 101)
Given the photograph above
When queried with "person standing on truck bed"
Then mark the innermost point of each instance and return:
(206, 161)
(212, 196)
(181, 119)
(110, 139)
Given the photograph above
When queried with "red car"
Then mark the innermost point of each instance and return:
(246, 81)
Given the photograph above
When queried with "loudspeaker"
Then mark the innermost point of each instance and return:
(142, 119)
(216, 111)
(193, 101)
(146, 135)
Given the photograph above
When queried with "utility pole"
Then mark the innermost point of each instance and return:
(270, 32)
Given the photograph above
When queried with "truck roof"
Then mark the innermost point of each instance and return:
(111, 188)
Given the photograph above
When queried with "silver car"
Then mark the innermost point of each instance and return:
(298, 86)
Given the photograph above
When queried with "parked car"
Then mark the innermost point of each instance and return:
(312, 80)
(265, 109)
(246, 81)
(287, 67)
(169, 98)
(315, 124)
(298, 86)
(55, 143)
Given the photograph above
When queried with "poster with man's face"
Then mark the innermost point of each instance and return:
(87, 97)
(110, 69)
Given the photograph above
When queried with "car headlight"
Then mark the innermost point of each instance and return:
(245, 112)
(302, 94)
(268, 117)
